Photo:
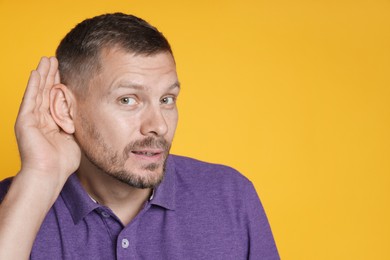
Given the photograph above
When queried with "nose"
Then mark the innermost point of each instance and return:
(153, 122)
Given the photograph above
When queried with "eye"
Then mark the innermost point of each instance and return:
(128, 101)
(168, 100)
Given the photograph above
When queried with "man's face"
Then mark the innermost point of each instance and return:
(126, 122)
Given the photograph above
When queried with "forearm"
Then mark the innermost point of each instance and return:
(22, 212)
(49, 155)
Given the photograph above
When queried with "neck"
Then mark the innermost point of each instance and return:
(124, 200)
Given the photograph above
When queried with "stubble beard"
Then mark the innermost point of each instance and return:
(153, 176)
(113, 163)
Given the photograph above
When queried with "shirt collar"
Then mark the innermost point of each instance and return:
(164, 195)
(77, 199)
(80, 203)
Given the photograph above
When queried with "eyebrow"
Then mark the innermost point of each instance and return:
(175, 85)
(142, 87)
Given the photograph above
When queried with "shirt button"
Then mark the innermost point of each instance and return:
(105, 214)
(125, 243)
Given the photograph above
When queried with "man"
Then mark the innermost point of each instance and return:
(94, 132)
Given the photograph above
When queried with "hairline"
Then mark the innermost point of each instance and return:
(91, 74)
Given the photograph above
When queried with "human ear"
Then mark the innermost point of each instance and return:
(61, 107)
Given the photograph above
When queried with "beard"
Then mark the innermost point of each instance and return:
(113, 163)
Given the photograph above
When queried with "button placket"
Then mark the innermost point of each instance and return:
(125, 243)
(105, 214)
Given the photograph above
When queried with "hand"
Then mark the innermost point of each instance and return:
(44, 148)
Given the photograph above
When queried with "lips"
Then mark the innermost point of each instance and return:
(150, 149)
(147, 153)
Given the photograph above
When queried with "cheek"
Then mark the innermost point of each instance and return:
(120, 131)
(96, 129)
(171, 121)
(117, 130)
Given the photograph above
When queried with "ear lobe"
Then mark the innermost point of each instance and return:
(61, 108)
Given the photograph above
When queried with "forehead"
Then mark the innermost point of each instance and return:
(118, 67)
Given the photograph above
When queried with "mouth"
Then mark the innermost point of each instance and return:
(147, 151)
(148, 154)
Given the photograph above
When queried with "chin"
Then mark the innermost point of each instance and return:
(144, 179)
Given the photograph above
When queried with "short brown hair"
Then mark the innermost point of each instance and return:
(78, 53)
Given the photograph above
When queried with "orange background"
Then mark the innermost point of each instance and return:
(294, 94)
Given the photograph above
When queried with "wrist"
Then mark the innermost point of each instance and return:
(40, 182)
(40, 173)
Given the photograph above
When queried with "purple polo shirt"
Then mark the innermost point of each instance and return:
(199, 211)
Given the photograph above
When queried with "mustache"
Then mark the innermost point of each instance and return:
(148, 142)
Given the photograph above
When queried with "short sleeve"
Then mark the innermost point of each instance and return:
(261, 242)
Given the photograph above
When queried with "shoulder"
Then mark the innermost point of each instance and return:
(4, 186)
(197, 168)
(200, 175)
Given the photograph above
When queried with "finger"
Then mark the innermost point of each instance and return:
(57, 79)
(43, 66)
(52, 70)
(30, 94)
(49, 83)
(43, 70)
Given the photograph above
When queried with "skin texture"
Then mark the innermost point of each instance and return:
(125, 128)
(126, 124)
(49, 155)
(117, 138)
